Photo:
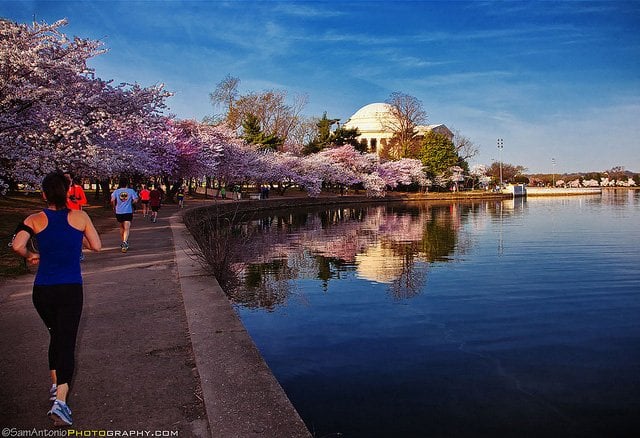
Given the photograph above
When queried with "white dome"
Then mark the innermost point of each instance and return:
(370, 118)
(376, 123)
(372, 110)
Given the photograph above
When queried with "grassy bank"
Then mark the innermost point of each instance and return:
(15, 207)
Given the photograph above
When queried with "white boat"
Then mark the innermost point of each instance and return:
(515, 190)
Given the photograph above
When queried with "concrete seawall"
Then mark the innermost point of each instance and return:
(550, 191)
(234, 207)
(241, 396)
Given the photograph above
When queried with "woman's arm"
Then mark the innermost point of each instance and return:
(91, 239)
(20, 241)
(81, 221)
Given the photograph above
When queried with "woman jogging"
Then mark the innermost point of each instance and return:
(57, 290)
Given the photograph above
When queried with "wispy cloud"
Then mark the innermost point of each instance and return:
(308, 10)
(588, 139)
(517, 9)
(536, 73)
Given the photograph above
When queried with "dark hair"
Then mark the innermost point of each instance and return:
(123, 182)
(55, 187)
(72, 179)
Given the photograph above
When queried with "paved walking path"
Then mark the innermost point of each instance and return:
(159, 348)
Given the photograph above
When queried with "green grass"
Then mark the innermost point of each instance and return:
(15, 207)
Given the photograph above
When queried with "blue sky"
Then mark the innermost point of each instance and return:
(553, 79)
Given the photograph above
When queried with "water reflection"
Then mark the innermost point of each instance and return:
(390, 244)
(514, 318)
(620, 197)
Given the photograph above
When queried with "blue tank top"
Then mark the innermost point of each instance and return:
(60, 246)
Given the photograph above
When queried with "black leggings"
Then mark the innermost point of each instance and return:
(60, 307)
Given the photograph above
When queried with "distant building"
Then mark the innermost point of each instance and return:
(371, 121)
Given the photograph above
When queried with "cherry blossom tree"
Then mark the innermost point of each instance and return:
(575, 183)
(346, 166)
(42, 72)
(405, 171)
(131, 135)
(288, 170)
(374, 184)
(198, 147)
(342, 166)
(54, 113)
(239, 163)
(479, 173)
(456, 176)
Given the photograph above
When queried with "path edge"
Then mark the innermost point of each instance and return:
(241, 395)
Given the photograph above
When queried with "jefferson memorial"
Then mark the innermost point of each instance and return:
(373, 123)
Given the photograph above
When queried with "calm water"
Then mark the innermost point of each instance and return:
(487, 319)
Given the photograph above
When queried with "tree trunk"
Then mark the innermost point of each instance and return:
(104, 184)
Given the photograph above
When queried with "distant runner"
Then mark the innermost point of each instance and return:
(144, 200)
(155, 201)
(180, 196)
(123, 199)
(75, 197)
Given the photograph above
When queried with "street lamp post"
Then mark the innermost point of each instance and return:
(553, 178)
(500, 146)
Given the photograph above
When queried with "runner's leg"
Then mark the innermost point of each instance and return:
(126, 226)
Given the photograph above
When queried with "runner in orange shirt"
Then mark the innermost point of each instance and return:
(145, 194)
(75, 196)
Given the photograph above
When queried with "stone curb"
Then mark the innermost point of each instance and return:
(242, 397)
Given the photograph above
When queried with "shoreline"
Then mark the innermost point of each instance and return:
(561, 191)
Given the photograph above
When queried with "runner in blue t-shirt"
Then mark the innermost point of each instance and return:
(122, 200)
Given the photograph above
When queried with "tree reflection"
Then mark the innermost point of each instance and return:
(440, 237)
(392, 244)
(329, 268)
(411, 280)
(265, 286)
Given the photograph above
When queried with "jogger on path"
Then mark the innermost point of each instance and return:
(144, 199)
(122, 200)
(155, 201)
(57, 289)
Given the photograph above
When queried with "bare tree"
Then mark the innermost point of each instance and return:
(617, 173)
(465, 148)
(406, 114)
(301, 134)
(509, 171)
(225, 94)
(270, 108)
